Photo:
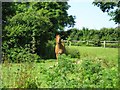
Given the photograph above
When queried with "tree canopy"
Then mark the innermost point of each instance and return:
(32, 24)
(111, 7)
(109, 34)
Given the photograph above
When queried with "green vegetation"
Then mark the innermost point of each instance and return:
(109, 54)
(91, 70)
(84, 34)
(28, 41)
(94, 36)
(31, 25)
(111, 7)
(29, 29)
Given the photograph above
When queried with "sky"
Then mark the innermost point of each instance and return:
(88, 15)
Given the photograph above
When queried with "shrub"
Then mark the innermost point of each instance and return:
(73, 53)
(94, 75)
(58, 78)
(50, 50)
(97, 43)
(31, 84)
(112, 45)
(88, 74)
(18, 55)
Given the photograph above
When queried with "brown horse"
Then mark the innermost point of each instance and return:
(59, 48)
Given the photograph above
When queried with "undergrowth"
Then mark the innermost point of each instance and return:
(89, 73)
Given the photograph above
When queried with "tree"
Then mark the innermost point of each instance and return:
(34, 23)
(55, 11)
(112, 8)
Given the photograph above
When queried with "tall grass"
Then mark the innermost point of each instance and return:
(89, 73)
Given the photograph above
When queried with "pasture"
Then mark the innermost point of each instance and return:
(97, 68)
(108, 54)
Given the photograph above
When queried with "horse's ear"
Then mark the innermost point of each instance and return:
(56, 35)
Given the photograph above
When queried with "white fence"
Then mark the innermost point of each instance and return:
(103, 42)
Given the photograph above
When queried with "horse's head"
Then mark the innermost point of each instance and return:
(58, 39)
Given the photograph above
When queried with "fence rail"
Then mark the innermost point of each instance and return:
(91, 41)
(75, 41)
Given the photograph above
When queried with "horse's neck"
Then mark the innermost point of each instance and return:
(58, 44)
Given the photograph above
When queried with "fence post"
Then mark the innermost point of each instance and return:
(87, 42)
(70, 43)
(104, 44)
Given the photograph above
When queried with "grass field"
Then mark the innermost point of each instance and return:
(110, 54)
(34, 74)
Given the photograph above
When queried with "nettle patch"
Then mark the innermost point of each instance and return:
(66, 73)
(88, 73)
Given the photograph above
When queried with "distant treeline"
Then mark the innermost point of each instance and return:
(108, 34)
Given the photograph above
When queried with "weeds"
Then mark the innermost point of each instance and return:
(90, 72)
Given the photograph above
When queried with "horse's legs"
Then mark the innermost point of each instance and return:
(56, 59)
(57, 56)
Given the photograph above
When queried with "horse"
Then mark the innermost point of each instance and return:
(59, 48)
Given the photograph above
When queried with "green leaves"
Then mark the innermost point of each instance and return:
(33, 23)
(108, 7)
(89, 73)
(59, 77)
(23, 25)
(20, 55)
(88, 35)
